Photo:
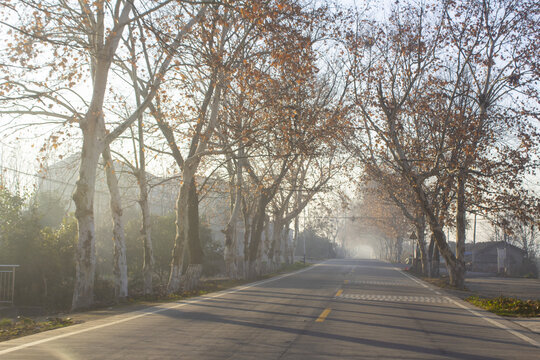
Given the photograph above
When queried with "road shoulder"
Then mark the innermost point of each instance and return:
(527, 331)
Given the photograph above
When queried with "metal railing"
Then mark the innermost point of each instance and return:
(7, 283)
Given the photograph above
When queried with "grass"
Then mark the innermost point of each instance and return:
(507, 306)
(11, 329)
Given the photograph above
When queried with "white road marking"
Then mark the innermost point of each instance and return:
(371, 282)
(412, 278)
(486, 318)
(393, 298)
(158, 310)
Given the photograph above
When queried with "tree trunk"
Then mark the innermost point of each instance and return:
(190, 280)
(256, 236)
(399, 249)
(119, 239)
(456, 272)
(230, 252)
(146, 223)
(295, 238)
(262, 262)
(83, 197)
(420, 230)
(459, 280)
(274, 256)
(196, 255)
(433, 253)
(146, 234)
(247, 237)
(177, 261)
(287, 245)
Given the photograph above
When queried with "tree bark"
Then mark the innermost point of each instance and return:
(459, 280)
(231, 242)
(456, 272)
(83, 197)
(177, 261)
(196, 255)
(420, 225)
(230, 250)
(275, 247)
(433, 253)
(140, 173)
(287, 245)
(119, 239)
(146, 234)
(93, 131)
(247, 237)
(295, 238)
(399, 249)
(256, 236)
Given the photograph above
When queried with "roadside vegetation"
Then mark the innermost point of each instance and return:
(37, 235)
(507, 306)
(22, 326)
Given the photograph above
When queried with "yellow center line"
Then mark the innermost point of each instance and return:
(339, 292)
(323, 315)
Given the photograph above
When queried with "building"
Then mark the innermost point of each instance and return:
(495, 257)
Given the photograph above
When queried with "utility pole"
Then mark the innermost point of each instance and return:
(304, 235)
(474, 243)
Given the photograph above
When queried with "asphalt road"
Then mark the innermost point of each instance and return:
(340, 309)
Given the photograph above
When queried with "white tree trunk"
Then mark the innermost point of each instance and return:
(119, 239)
(231, 241)
(275, 246)
(148, 252)
(182, 203)
(85, 256)
(190, 280)
(287, 245)
(175, 276)
(295, 238)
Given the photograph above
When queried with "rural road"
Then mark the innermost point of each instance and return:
(339, 309)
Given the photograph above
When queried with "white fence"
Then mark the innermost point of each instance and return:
(7, 283)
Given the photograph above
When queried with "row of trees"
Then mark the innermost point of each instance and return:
(237, 83)
(437, 105)
(39, 236)
(446, 103)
